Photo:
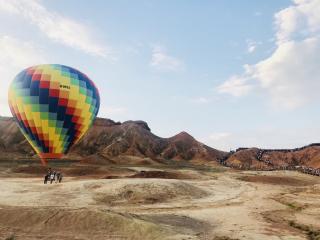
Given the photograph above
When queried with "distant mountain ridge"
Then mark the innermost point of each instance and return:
(129, 141)
(109, 140)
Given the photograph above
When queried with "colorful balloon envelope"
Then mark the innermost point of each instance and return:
(54, 106)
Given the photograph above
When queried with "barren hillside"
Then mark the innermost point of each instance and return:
(108, 140)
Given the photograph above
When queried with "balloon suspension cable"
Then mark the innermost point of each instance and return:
(43, 162)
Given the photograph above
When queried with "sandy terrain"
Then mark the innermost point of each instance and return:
(224, 204)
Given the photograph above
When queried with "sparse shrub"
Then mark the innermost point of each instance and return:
(310, 231)
(11, 237)
(224, 238)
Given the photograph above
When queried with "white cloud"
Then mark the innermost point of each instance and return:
(252, 45)
(15, 56)
(236, 86)
(291, 74)
(56, 27)
(160, 60)
(252, 48)
(298, 21)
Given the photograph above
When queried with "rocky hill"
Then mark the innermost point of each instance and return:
(109, 140)
(254, 158)
(133, 141)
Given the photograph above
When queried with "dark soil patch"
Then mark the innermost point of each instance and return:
(160, 174)
(224, 238)
(37, 170)
(152, 174)
(277, 180)
(97, 171)
(111, 177)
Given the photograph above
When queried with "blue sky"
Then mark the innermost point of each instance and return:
(231, 73)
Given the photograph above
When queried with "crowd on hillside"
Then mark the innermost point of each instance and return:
(270, 165)
(284, 150)
(303, 169)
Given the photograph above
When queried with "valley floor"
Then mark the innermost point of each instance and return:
(222, 204)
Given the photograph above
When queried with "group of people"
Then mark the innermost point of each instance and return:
(52, 176)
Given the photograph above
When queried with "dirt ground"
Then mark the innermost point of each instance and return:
(123, 202)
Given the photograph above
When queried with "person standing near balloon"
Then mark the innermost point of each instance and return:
(54, 105)
(52, 177)
(45, 179)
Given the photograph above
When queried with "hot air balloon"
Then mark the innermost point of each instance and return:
(54, 105)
